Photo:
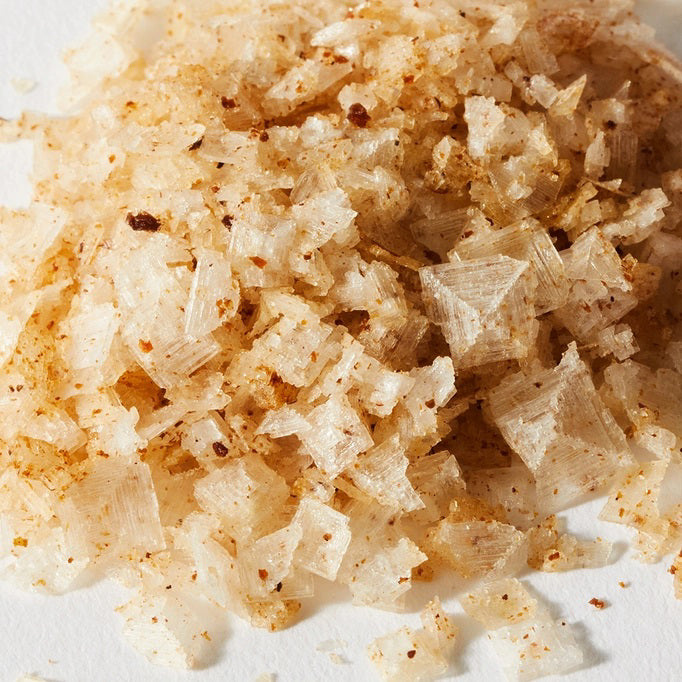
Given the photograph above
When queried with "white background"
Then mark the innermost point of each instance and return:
(76, 638)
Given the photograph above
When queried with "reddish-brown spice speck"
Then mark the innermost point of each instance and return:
(258, 261)
(505, 597)
(554, 556)
(327, 537)
(227, 220)
(196, 145)
(278, 587)
(430, 403)
(357, 115)
(264, 137)
(597, 603)
(228, 102)
(143, 222)
(145, 346)
(262, 573)
(220, 449)
(411, 653)
(408, 79)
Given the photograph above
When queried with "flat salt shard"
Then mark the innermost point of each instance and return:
(324, 540)
(245, 493)
(285, 421)
(57, 428)
(511, 487)
(647, 396)
(118, 507)
(264, 564)
(88, 336)
(483, 306)
(596, 275)
(487, 549)
(617, 340)
(380, 473)
(634, 502)
(526, 241)
(384, 579)
(336, 435)
(163, 629)
(552, 551)
(485, 121)
(532, 649)
(416, 655)
(642, 217)
(556, 422)
(437, 479)
(213, 298)
(324, 217)
(503, 602)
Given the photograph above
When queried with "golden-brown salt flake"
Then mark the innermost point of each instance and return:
(580, 446)
(634, 502)
(550, 551)
(500, 603)
(416, 655)
(484, 307)
(475, 548)
(220, 371)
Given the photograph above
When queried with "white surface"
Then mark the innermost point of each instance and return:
(76, 638)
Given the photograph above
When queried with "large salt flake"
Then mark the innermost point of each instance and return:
(381, 474)
(555, 420)
(486, 122)
(483, 306)
(336, 435)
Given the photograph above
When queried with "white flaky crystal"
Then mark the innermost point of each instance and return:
(555, 420)
(483, 306)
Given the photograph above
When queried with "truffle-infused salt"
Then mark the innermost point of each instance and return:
(358, 293)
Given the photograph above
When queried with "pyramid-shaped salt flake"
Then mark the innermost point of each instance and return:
(483, 306)
(557, 423)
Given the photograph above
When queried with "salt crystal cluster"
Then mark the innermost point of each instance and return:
(316, 292)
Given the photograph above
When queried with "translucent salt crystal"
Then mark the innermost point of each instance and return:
(485, 120)
(436, 478)
(336, 435)
(556, 422)
(500, 603)
(617, 340)
(324, 540)
(543, 90)
(634, 502)
(596, 275)
(551, 550)
(266, 563)
(538, 56)
(567, 100)
(479, 548)
(597, 156)
(163, 629)
(414, 655)
(511, 487)
(483, 306)
(118, 506)
(526, 241)
(441, 232)
(532, 649)
(378, 564)
(642, 217)
(395, 339)
(245, 493)
(88, 336)
(57, 428)
(647, 396)
(326, 216)
(212, 295)
(380, 473)
(111, 428)
(285, 421)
